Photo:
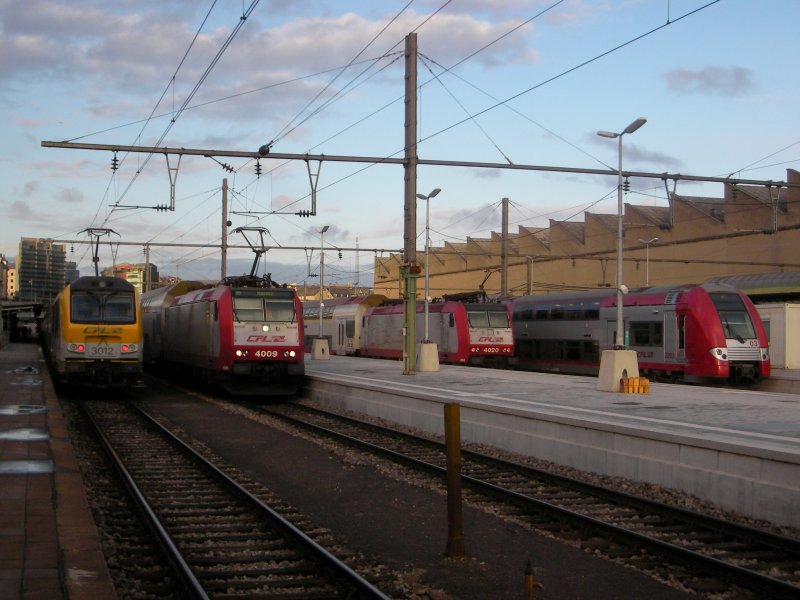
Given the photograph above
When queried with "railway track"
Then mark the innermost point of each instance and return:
(702, 553)
(222, 541)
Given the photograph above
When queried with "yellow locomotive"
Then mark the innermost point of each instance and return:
(92, 333)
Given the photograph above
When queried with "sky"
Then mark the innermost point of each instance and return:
(527, 82)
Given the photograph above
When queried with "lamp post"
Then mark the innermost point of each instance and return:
(647, 259)
(319, 345)
(619, 340)
(427, 245)
(321, 273)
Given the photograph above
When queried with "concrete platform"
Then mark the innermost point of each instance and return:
(49, 545)
(739, 449)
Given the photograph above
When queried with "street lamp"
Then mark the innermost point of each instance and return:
(319, 346)
(647, 259)
(321, 273)
(619, 340)
(427, 245)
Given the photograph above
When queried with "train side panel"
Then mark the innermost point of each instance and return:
(382, 331)
(341, 321)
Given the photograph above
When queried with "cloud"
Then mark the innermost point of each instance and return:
(70, 196)
(711, 81)
(19, 210)
(29, 189)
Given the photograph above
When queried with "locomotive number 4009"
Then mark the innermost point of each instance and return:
(266, 353)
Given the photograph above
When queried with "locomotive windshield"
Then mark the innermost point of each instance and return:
(487, 318)
(91, 307)
(259, 309)
(733, 314)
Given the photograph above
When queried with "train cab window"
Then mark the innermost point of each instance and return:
(282, 310)
(248, 309)
(736, 322)
(477, 319)
(498, 319)
(118, 309)
(85, 308)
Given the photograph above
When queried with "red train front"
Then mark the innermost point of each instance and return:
(242, 334)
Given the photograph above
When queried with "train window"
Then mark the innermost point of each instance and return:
(591, 351)
(478, 318)
(498, 319)
(522, 315)
(280, 310)
(118, 309)
(732, 313)
(542, 313)
(85, 308)
(572, 350)
(646, 333)
(248, 309)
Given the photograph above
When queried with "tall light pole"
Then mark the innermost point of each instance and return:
(619, 342)
(647, 259)
(321, 272)
(427, 246)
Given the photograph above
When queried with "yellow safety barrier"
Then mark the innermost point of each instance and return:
(634, 385)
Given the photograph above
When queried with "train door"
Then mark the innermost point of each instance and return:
(674, 337)
(212, 318)
(340, 343)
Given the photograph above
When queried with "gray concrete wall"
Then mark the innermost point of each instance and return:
(761, 482)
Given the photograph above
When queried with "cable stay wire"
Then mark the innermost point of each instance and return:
(570, 70)
(518, 113)
(745, 168)
(464, 108)
(146, 121)
(286, 129)
(515, 96)
(240, 23)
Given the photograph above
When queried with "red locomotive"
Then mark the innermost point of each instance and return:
(244, 333)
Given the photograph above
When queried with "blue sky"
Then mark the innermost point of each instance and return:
(717, 82)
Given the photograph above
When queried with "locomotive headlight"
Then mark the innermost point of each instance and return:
(289, 354)
(265, 328)
(76, 347)
(719, 353)
(128, 348)
(241, 353)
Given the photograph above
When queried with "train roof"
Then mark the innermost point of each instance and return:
(371, 300)
(636, 297)
(784, 285)
(94, 282)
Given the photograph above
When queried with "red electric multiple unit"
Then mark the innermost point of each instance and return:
(681, 333)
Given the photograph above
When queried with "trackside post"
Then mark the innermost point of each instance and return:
(455, 520)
